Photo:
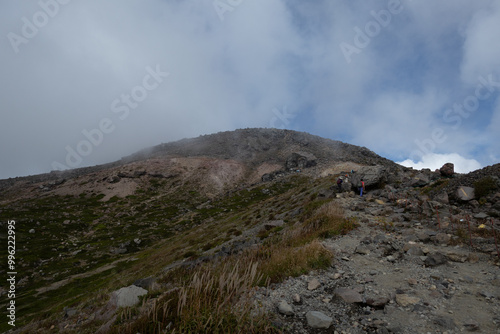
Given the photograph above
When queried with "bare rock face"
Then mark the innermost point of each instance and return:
(300, 160)
(447, 170)
(373, 176)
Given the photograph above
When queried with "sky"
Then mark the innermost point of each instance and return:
(87, 82)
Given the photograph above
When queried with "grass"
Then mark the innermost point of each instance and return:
(217, 297)
(172, 227)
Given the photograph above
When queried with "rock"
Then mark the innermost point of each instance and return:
(406, 300)
(442, 197)
(363, 250)
(442, 239)
(317, 320)
(423, 236)
(473, 258)
(415, 251)
(69, 312)
(456, 257)
(465, 193)
(377, 302)
(412, 281)
(481, 215)
(296, 298)
(420, 180)
(285, 308)
(128, 296)
(445, 322)
(32, 231)
(313, 284)
(373, 176)
(349, 295)
(435, 259)
(447, 170)
(300, 160)
(145, 283)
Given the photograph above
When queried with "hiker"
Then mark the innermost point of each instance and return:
(362, 188)
(339, 184)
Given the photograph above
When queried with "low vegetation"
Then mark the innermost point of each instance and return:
(83, 248)
(216, 297)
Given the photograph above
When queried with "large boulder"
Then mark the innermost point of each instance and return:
(465, 193)
(373, 176)
(447, 170)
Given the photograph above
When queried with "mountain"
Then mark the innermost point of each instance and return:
(244, 208)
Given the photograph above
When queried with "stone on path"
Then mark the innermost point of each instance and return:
(285, 308)
(349, 295)
(316, 319)
(435, 259)
(406, 300)
(313, 284)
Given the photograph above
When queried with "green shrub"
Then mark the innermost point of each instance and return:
(485, 186)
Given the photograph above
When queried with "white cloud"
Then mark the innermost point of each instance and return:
(435, 161)
(482, 44)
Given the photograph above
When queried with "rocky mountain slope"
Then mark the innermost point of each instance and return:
(423, 244)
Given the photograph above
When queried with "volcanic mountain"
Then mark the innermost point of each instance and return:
(256, 209)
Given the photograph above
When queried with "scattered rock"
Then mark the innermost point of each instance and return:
(128, 296)
(435, 259)
(313, 284)
(363, 250)
(442, 238)
(349, 295)
(481, 215)
(318, 320)
(377, 302)
(406, 300)
(456, 257)
(285, 308)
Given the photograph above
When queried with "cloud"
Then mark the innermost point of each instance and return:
(235, 73)
(482, 46)
(435, 161)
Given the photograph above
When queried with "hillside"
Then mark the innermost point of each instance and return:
(259, 200)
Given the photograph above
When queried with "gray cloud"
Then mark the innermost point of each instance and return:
(232, 73)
